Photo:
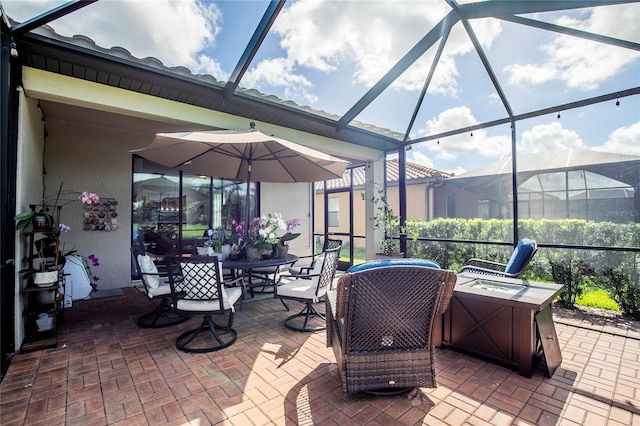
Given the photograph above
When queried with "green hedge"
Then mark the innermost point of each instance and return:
(617, 272)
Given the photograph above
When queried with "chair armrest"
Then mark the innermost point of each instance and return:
(298, 277)
(232, 282)
(445, 292)
(310, 256)
(486, 271)
(486, 264)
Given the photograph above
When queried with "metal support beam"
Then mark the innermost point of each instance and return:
(250, 51)
(487, 9)
(401, 66)
(427, 82)
(52, 15)
(572, 32)
(537, 113)
(402, 197)
(487, 66)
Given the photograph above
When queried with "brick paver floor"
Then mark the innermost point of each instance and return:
(106, 370)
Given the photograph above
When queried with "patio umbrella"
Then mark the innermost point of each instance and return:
(248, 155)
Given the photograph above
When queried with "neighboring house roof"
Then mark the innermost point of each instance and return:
(623, 168)
(415, 174)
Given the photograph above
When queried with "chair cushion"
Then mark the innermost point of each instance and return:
(392, 262)
(229, 297)
(164, 289)
(317, 265)
(300, 288)
(149, 271)
(520, 256)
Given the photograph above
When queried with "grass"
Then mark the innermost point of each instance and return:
(597, 298)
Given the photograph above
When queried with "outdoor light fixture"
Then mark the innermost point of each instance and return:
(14, 50)
(617, 104)
(558, 116)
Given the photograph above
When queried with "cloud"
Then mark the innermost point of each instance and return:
(421, 158)
(624, 140)
(480, 144)
(279, 72)
(579, 63)
(549, 137)
(176, 32)
(364, 38)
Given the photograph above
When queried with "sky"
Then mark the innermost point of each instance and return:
(327, 54)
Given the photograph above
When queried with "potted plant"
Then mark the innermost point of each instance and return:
(51, 259)
(282, 249)
(386, 219)
(257, 240)
(34, 220)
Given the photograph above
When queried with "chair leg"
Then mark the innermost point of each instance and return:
(307, 312)
(162, 316)
(224, 336)
(284, 303)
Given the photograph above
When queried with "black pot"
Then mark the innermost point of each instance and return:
(42, 222)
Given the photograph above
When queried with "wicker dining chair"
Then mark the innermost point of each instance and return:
(380, 321)
(518, 262)
(155, 282)
(309, 289)
(197, 288)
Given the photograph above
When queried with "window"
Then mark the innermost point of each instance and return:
(172, 209)
(334, 211)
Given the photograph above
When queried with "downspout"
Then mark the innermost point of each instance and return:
(432, 183)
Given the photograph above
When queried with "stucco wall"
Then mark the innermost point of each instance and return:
(28, 189)
(94, 159)
(97, 159)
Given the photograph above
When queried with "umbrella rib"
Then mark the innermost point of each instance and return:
(275, 156)
(198, 152)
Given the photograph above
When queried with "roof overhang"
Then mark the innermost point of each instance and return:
(179, 85)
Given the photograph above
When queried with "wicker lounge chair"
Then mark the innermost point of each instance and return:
(520, 258)
(380, 320)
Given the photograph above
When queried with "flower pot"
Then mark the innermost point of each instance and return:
(42, 222)
(226, 251)
(44, 322)
(253, 253)
(205, 251)
(46, 297)
(45, 279)
(281, 251)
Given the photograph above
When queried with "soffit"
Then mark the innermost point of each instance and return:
(119, 69)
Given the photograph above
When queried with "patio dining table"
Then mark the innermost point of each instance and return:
(246, 267)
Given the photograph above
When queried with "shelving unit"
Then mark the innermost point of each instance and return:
(41, 300)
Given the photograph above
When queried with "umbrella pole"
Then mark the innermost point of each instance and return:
(247, 199)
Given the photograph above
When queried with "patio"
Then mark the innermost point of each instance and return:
(106, 370)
